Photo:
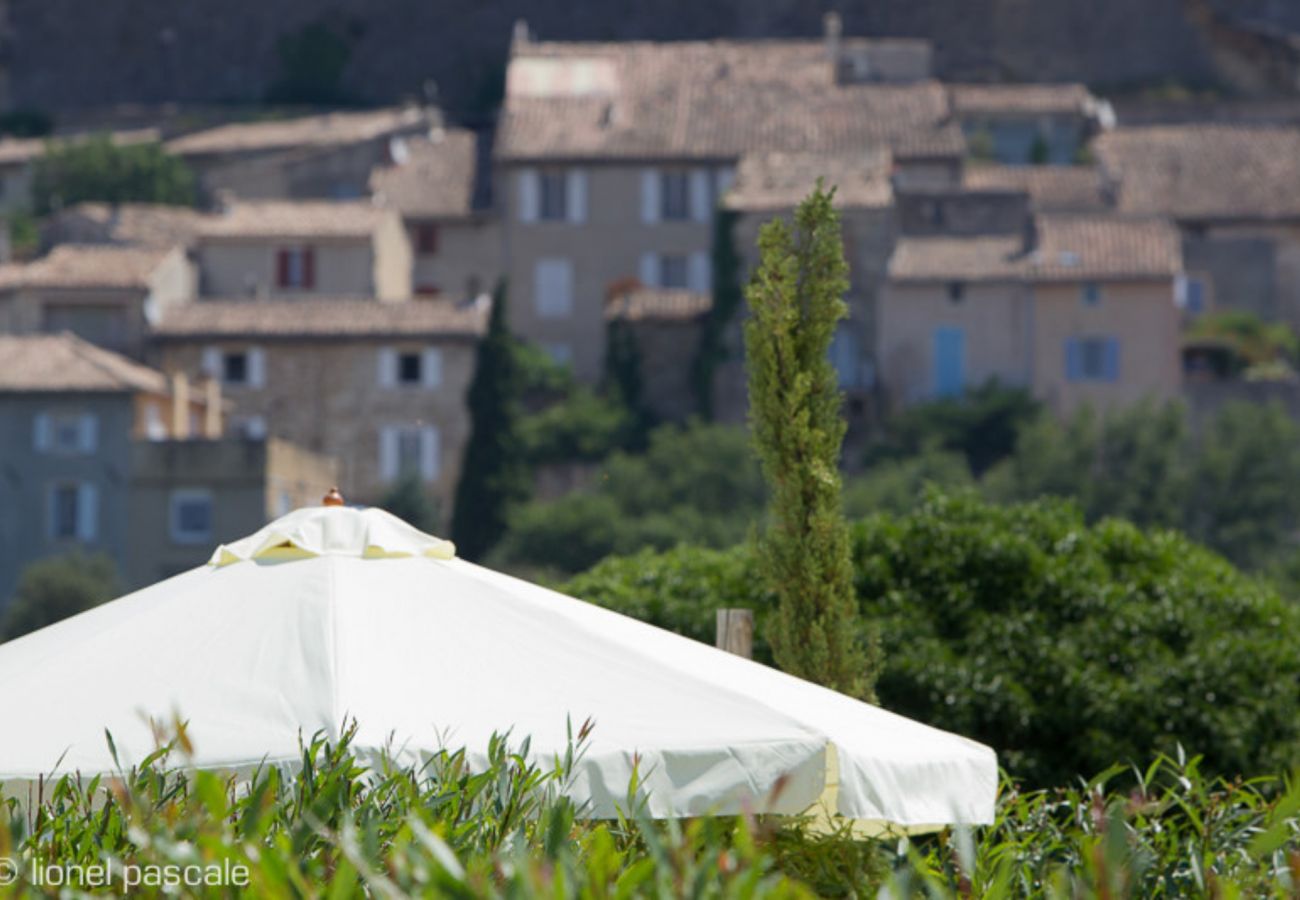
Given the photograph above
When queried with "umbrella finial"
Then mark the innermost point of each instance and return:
(333, 498)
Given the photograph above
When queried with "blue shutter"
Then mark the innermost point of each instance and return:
(949, 361)
(1111, 364)
(1073, 360)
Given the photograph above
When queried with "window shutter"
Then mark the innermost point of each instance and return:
(701, 202)
(309, 267)
(387, 453)
(41, 432)
(649, 196)
(649, 271)
(529, 195)
(1073, 360)
(576, 187)
(282, 268)
(211, 364)
(431, 367)
(87, 511)
(89, 432)
(553, 287)
(726, 178)
(387, 371)
(256, 367)
(1112, 359)
(429, 452)
(700, 272)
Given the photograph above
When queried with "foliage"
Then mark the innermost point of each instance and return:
(494, 476)
(57, 587)
(583, 426)
(796, 299)
(727, 297)
(97, 169)
(1068, 647)
(312, 61)
(1039, 152)
(26, 123)
(698, 484)
(24, 236)
(409, 501)
(982, 424)
(895, 486)
(680, 589)
(624, 380)
(1254, 343)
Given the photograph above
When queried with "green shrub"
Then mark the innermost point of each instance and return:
(57, 587)
(896, 485)
(97, 169)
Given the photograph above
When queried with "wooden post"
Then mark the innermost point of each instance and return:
(736, 632)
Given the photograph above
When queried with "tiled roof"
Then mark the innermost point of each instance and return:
(295, 219)
(993, 99)
(1050, 188)
(1067, 248)
(146, 224)
(436, 180)
(1205, 171)
(707, 100)
(64, 362)
(325, 130)
(661, 304)
(86, 266)
(770, 181)
(24, 150)
(323, 318)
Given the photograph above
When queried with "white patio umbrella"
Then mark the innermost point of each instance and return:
(331, 614)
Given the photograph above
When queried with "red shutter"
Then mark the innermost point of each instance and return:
(309, 267)
(282, 268)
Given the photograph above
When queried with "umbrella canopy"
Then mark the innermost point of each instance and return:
(333, 614)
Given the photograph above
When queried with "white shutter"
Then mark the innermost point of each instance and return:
(87, 511)
(553, 287)
(41, 432)
(701, 201)
(700, 272)
(388, 453)
(530, 191)
(429, 452)
(649, 269)
(212, 362)
(88, 433)
(726, 178)
(575, 185)
(387, 367)
(431, 367)
(649, 196)
(256, 367)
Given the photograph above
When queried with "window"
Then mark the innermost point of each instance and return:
(250, 428)
(554, 205)
(1090, 293)
(409, 368)
(426, 238)
(234, 368)
(295, 267)
(191, 516)
(408, 450)
(674, 271)
(553, 288)
(674, 196)
(1190, 294)
(1092, 359)
(956, 291)
(68, 434)
(73, 511)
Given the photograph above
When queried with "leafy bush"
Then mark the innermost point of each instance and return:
(894, 485)
(1067, 647)
(57, 587)
(312, 62)
(97, 169)
(698, 485)
(408, 499)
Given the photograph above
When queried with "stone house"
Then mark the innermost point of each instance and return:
(611, 157)
(379, 386)
(441, 191)
(131, 224)
(1083, 311)
(1021, 124)
(1234, 191)
(664, 327)
(321, 157)
(70, 414)
(108, 295)
(301, 249)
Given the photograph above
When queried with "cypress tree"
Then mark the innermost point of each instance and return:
(494, 475)
(796, 299)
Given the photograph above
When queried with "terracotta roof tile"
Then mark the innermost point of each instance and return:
(145, 224)
(992, 99)
(771, 181)
(24, 150)
(322, 318)
(436, 180)
(330, 129)
(295, 218)
(1050, 188)
(87, 266)
(64, 362)
(660, 304)
(1205, 171)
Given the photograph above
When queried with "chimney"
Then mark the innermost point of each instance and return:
(180, 425)
(833, 31)
(212, 409)
(521, 37)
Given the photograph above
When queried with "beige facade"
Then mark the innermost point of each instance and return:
(463, 261)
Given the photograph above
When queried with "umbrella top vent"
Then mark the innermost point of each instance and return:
(334, 530)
